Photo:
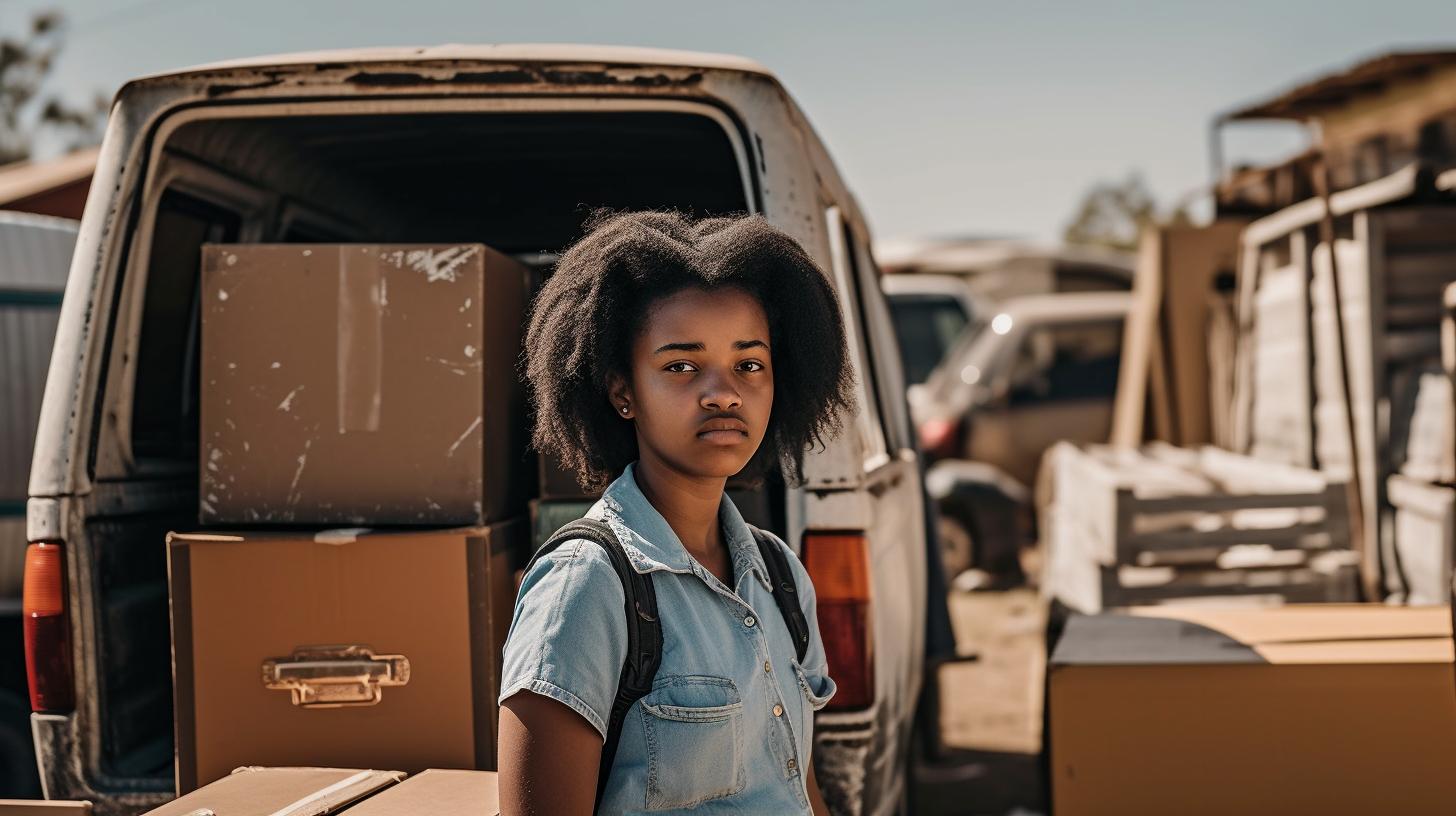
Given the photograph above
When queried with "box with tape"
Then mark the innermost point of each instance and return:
(361, 384)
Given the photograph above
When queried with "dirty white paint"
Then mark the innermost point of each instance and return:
(470, 351)
(222, 294)
(276, 365)
(383, 292)
(302, 461)
(344, 535)
(207, 508)
(468, 431)
(307, 252)
(287, 403)
(245, 446)
(232, 365)
(231, 259)
(466, 306)
(232, 426)
(440, 265)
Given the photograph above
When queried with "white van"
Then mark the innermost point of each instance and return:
(510, 146)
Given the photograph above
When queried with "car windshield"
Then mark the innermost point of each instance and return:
(926, 325)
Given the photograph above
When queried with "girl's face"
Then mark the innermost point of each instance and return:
(702, 382)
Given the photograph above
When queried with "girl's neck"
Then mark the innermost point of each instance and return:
(689, 505)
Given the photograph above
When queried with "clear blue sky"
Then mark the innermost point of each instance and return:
(945, 117)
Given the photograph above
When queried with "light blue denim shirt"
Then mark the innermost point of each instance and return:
(729, 724)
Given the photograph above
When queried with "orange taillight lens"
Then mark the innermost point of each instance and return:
(47, 629)
(839, 565)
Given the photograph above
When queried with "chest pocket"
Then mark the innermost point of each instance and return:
(694, 731)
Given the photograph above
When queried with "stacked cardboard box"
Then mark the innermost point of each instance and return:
(302, 791)
(374, 386)
(1328, 709)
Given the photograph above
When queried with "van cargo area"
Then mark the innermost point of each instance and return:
(522, 183)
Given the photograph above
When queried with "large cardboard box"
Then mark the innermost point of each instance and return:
(280, 792)
(361, 384)
(1327, 709)
(344, 648)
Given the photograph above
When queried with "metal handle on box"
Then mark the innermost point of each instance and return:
(335, 676)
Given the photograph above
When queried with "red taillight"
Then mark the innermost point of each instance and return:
(839, 566)
(47, 629)
(940, 438)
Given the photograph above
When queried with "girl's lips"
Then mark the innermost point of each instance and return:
(723, 437)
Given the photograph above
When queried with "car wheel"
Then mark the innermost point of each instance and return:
(957, 549)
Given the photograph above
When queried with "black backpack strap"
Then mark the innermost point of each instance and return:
(644, 631)
(785, 592)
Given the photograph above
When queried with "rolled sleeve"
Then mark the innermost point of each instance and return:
(568, 636)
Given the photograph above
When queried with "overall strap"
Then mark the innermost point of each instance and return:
(785, 592)
(644, 631)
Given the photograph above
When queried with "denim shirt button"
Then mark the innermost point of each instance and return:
(793, 764)
(748, 621)
(766, 668)
(778, 710)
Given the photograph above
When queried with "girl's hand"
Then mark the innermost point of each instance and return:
(816, 799)
(549, 756)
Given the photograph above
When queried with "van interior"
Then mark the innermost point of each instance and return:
(521, 183)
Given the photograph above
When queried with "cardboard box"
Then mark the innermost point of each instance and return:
(1327, 709)
(447, 793)
(556, 482)
(272, 632)
(271, 791)
(361, 384)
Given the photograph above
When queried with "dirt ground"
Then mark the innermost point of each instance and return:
(990, 710)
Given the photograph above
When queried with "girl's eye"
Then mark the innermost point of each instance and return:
(751, 365)
(679, 367)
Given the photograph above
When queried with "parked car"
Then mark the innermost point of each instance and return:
(1044, 370)
(999, 268)
(930, 312)
(35, 252)
(495, 144)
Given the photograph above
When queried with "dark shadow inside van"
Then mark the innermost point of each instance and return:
(522, 183)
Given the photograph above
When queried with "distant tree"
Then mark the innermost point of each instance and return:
(25, 63)
(1113, 214)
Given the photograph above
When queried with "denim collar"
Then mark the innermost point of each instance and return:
(651, 544)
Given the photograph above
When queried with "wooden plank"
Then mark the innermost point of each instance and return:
(1218, 503)
(1280, 538)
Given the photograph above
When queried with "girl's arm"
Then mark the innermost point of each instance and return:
(549, 757)
(816, 799)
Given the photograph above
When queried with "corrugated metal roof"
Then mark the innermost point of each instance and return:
(35, 252)
(26, 336)
(1310, 100)
(23, 180)
(35, 256)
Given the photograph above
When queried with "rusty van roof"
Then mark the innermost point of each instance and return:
(537, 56)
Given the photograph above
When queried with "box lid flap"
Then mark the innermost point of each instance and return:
(281, 792)
(1112, 640)
(1296, 623)
(445, 792)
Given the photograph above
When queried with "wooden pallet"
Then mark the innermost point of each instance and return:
(1129, 527)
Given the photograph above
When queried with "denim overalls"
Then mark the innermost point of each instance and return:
(728, 726)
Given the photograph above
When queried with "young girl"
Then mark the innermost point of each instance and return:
(665, 356)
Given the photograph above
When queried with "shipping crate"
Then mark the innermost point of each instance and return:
(344, 647)
(361, 384)
(1130, 526)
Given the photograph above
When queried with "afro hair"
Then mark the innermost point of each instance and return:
(590, 311)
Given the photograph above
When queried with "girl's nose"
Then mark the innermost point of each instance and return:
(720, 395)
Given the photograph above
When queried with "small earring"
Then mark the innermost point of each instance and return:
(624, 409)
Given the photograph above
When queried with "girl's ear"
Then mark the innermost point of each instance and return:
(620, 395)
